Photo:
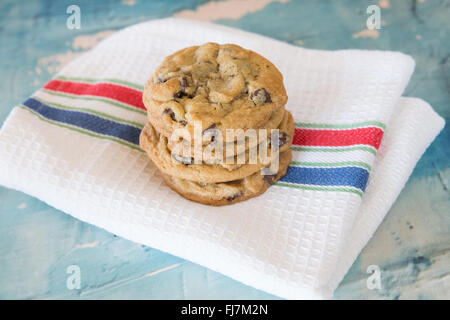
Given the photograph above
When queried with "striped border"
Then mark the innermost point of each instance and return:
(359, 164)
(73, 128)
(316, 139)
(336, 149)
(369, 136)
(114, 81)
(320, 188)
(346, 176)
(95, 98)
(112, 91)
(341, 126)
(90, 111)
(86, 122)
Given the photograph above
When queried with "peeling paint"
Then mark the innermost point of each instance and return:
(129, 2)
(152, 273)
(55, 62)
(87, 245)
(228, 9)
(384, 4)
(22, 206)
(89, 41)
(366, 33)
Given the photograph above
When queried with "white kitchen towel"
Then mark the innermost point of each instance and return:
(73, 144)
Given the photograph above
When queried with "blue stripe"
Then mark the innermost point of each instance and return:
(343, 176)
(86, 121)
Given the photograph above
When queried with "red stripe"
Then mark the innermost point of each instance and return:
(304, 137)
(107, 90)
(338, 138)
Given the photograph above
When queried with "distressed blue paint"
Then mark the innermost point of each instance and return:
(37, 242)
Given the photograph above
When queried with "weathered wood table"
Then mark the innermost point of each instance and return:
(38, 243)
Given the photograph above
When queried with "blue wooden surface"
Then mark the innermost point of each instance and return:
(38, 243)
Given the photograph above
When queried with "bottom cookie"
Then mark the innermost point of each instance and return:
(224, 193)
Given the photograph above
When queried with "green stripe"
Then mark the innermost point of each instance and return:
(90, 80)
(314, 149)
(89, 133)
(340, 126)
(94, 98)
(332, 164)
(315, 188)
(94, 112)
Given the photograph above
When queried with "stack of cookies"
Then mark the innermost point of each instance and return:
(217, 125)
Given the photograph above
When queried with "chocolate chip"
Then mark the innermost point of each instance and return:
(170, 113)
(172, 116)
(183, 84)
(234, 196)
(179, 94)
(183, 160)
(213, 126)
(213, 132)
(261, 96)
(269, 178)
(282, 139)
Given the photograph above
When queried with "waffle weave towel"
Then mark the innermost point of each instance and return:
(73, 144)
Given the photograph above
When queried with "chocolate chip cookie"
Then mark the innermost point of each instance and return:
(185, 167)
(201, 102)
(224, 86)
(218, 194)
(185, 149)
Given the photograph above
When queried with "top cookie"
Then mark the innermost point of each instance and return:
(217, 86)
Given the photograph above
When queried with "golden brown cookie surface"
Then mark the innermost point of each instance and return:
(234, 168)
(252, 141)
(218, 194)
(224, 86)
